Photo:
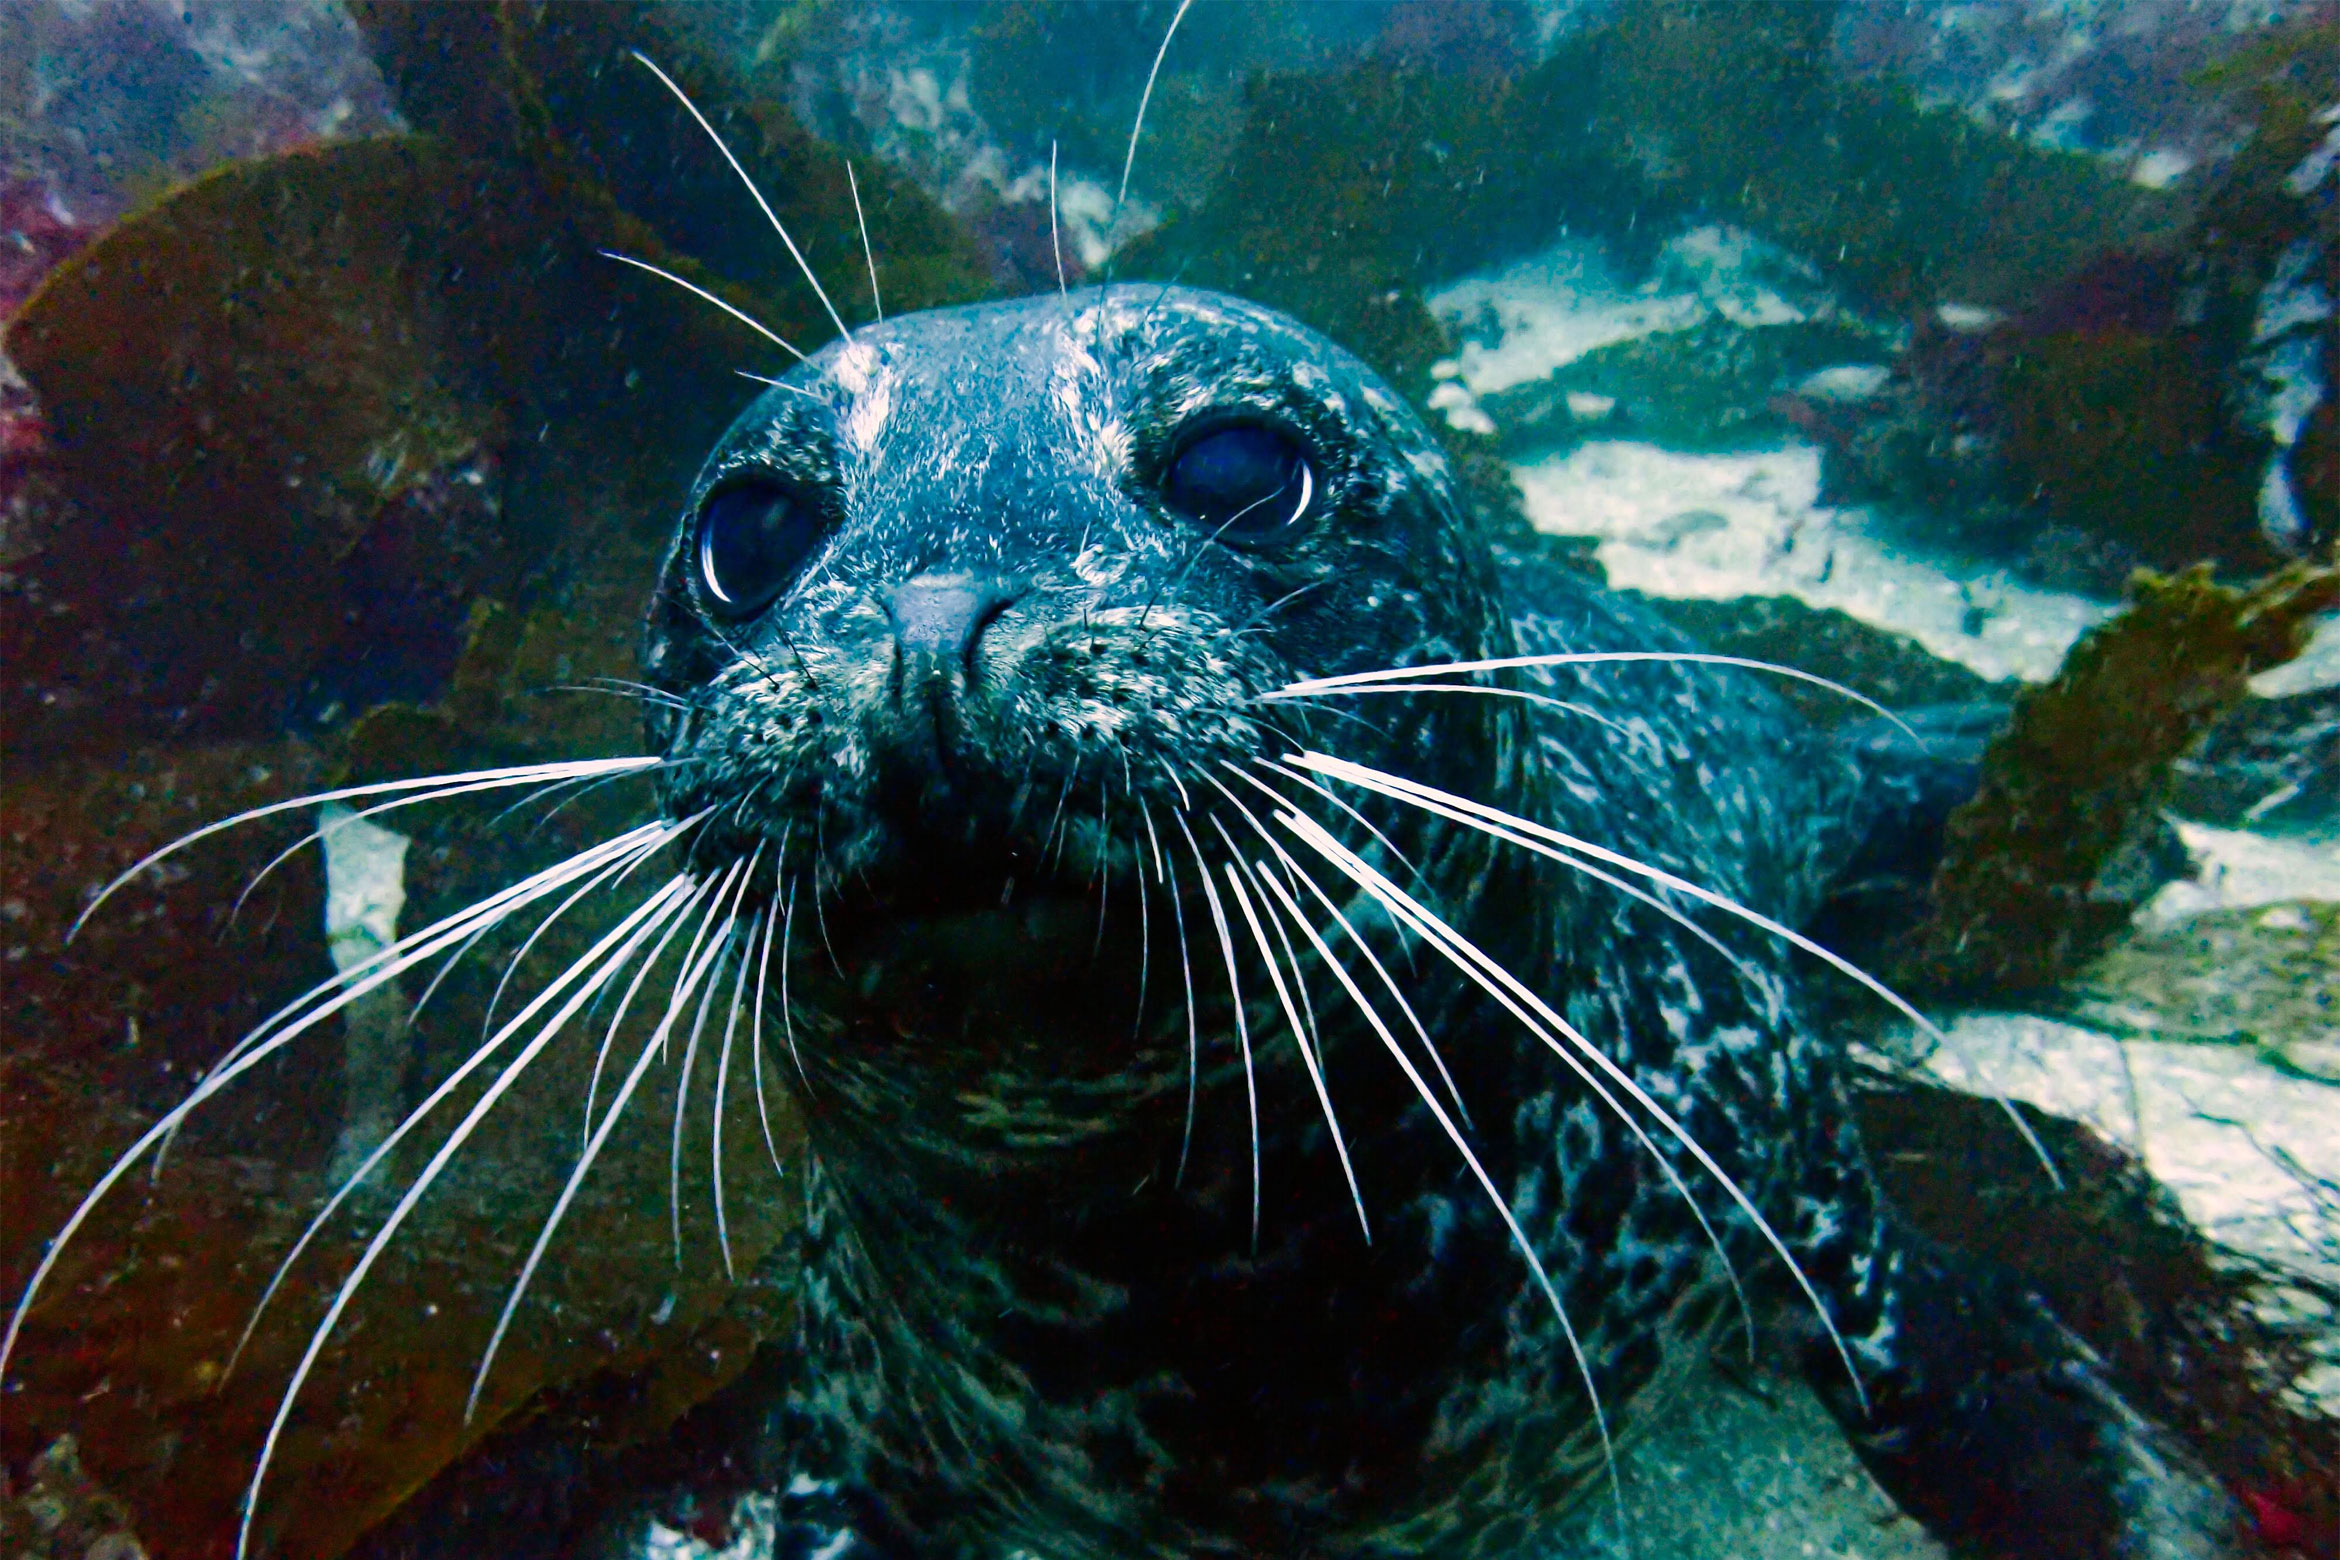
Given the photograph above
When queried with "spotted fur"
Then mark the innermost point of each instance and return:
(1037, 1316)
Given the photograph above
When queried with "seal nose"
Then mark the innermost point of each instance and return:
(940, 618)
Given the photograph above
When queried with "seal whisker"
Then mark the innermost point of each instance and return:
(623, 871)
(782, 384)
(1495, 1198)
(853, 182)
(1055, 234)
(724, 944)
(720, 946)
(1350, 681)
(318, 833)
(1253, 623)
(763, 980)
(1463, 810)
(642, 971)
(651, 1049)
(1299, 1033)
(722, 1076)
(677, 993)
(628, 933)
(1544, 699)
(1307, 1003)
(787, 1014)
(1184, 801)
(1145, 941)
(762, 204)
(696, 291)
(1665, 1165)
(1489, 975)
(466, 926)
(517, 774)
(1294, 871)
(1104, 878)
(820, 920)
(1129, 158)
(1202, 868)
(1193, 1033)
(413, 1119)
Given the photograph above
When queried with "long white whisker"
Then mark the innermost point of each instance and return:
(319, 833)
(1342, 803)
(651, 1050)
(1193, 1034)
(1463, 810)
(1356, 940)
(518, 774)
(701, 293)
(719, 947)
(624, 871)
(722, 1076)
(1145, 938)
(348, 988)
(762, 204)
(1466, 956)
(1730, 1270)
(1483, 690)
(1350, 681)
(787, 1014)
(1055, 238)
(1299, 1038)
(1202, 870)
(1235, 853)
(422, 1184)
(853, 182)
(676, 995)
(475, 920)
(756, 1029)
(658, 905)
(781, 384)
(708, 887)
(1129, 158)
(1454, 1135)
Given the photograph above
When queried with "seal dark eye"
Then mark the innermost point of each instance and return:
(753, 537)
(1246, 483)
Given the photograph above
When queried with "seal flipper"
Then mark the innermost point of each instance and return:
(1996, 1428)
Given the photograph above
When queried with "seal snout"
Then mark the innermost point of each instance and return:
(938, 623)
(938, 619)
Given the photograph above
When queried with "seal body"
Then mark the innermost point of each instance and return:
(1129, 1231)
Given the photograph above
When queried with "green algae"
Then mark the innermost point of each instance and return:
(2027, 890)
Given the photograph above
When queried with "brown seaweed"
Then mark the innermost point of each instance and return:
(2027, 890)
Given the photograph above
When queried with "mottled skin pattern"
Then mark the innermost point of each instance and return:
(1040, 1315)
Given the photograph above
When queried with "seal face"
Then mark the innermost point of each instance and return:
(1220, 1143)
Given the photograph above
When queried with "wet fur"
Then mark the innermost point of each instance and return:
(1023, 1329)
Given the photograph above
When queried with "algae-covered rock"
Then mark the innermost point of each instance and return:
(2267, 976)
(2038, 872)
(1712, 386)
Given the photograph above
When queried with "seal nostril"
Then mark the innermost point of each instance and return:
(941, 618)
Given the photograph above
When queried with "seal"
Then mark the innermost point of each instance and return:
(1303, 1039)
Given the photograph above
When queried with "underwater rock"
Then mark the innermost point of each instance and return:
(1712, 386)
(64, 1514)
(2273, 764)
(2167, 404)
(307, 384)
